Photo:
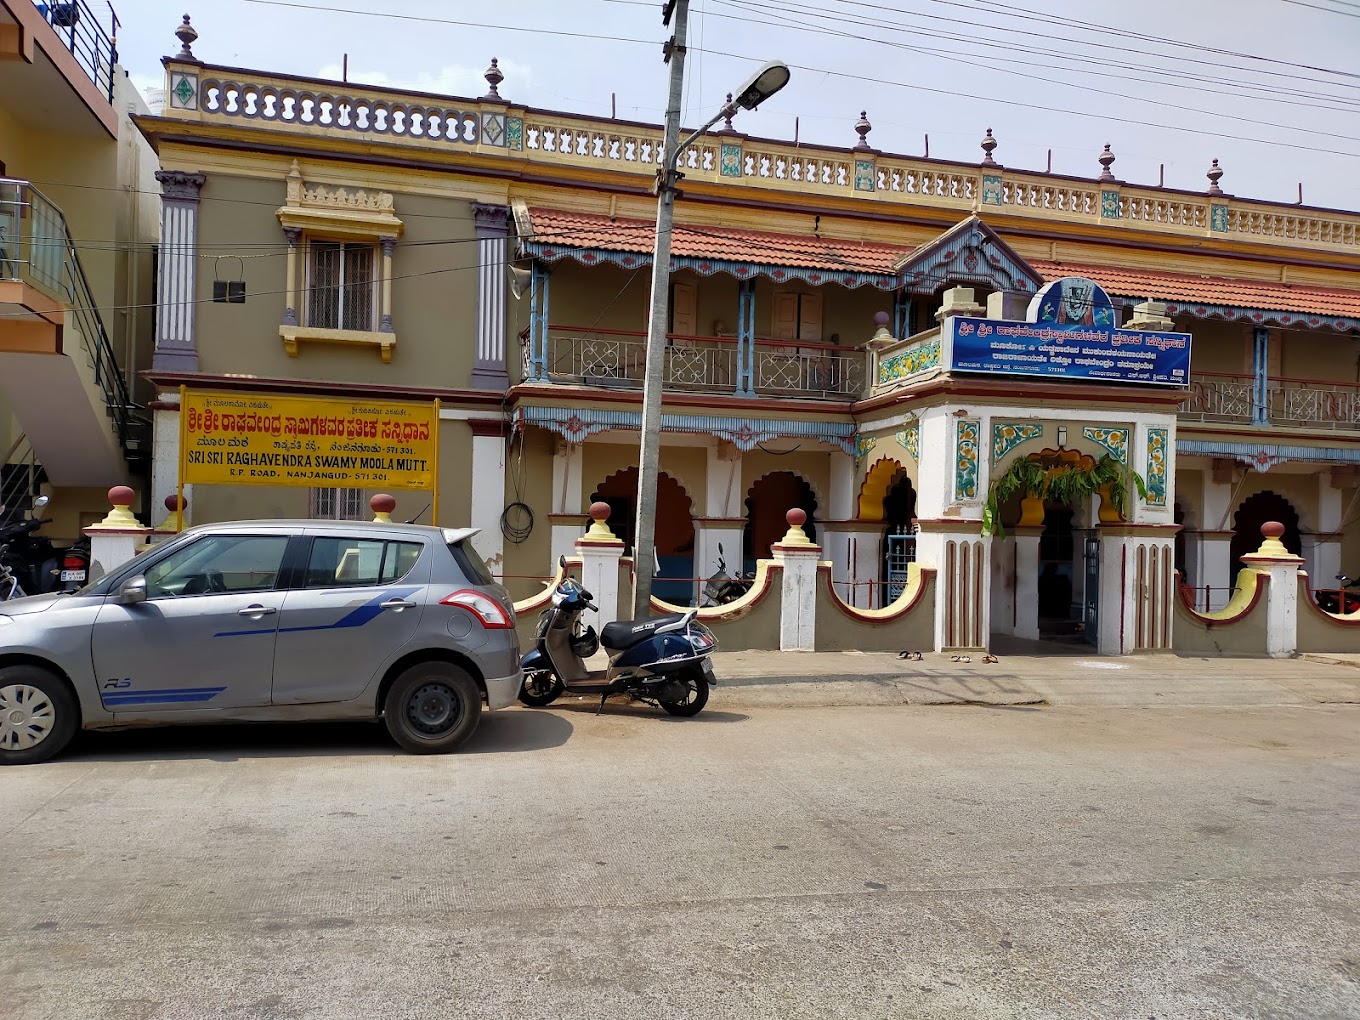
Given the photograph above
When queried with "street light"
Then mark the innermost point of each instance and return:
(768, 80)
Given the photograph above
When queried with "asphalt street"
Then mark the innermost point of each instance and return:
(931, 861)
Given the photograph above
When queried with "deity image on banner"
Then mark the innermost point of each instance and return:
(1073, 301)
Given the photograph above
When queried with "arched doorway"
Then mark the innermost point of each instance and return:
(1256, 510)
(899, 542)
(767, 501)
(674, 534)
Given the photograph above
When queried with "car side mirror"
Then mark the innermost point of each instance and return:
(132, 591)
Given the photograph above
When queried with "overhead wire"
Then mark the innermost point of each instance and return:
(790, 22)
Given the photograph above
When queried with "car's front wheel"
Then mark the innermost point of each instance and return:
(38, 715)
(432, 708)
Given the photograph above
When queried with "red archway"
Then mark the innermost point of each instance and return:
(674, 525)
(1256, 510)
(767, 501)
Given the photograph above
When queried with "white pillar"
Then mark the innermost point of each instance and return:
(566, 510)
(165, 449)
(118, 537)
(1282, 594)
(600, 552)
(709, 533)
(1005, 581)
(961, 556)
(798, 601)
(722, 522)
(488, 490)
(1026, 589)
(1137, 588)
(1322, 549)
(1215, 567)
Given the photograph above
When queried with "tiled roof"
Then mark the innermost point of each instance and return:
(1188, 290)
(588, 230)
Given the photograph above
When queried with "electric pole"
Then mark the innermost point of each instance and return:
(644, 535)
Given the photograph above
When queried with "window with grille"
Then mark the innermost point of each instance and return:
(338, 505)
(341, 285)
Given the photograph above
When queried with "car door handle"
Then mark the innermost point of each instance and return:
(397, 604)
(256, 611)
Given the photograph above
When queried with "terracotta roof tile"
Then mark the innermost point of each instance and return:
(587, 230)
(1189, 289)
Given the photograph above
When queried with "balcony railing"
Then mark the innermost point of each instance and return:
(79, 29)
(617, 358)
(36, 249)
(345, 110)
(1307, 403)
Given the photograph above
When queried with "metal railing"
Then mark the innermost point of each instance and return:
(1310, 403)
(20, 475)
(78, 27)
(617, 358)
(36, 248)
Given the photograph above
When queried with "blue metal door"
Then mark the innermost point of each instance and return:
(901, 553)
(1091, 592)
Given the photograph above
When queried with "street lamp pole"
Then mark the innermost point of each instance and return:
(644, 534)
(772, 77)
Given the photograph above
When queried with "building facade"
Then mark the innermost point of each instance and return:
(495, 258)
(78, 231)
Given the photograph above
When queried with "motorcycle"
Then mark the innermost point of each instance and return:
(75, 565)
(1329, 600)
(721, 589)
(29, 564)
(663, 660)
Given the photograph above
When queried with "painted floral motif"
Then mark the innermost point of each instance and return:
(1156, 467)
(1109, 205)
(1114, 440)
(966, 459)
(731, 161)
(991, 189)
(514, 133)
(863, 444)
(915, 359)
(1218, 218)
(864, 175)
(910, 440)
(1007, 435)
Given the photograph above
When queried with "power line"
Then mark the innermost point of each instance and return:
(1329, 10)
(1038, 106)
(789, 22)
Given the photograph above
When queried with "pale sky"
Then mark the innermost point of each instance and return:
(1295, 124)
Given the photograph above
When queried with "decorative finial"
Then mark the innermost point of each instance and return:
(599, 532)
(1106, 158)
(988, 145)
(796, 518)
(862, 128)
(175, 506)
(382, 506)
(493, 77)
(729, 111)
(1215, 174)
(881, 320)
(186, 34)
(120, 518)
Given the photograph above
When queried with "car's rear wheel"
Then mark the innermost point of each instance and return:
(432, 708)
(38, 715)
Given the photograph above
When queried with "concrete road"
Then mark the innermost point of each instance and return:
(1168, 863)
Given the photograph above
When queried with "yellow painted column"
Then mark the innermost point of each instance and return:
(388, 244)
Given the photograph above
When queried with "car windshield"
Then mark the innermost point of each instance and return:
(473, 566)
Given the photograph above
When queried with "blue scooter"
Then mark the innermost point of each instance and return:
(662, 660)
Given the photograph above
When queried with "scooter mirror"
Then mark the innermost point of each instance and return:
(562, 561)
(40, 502)
(1339, 577)
(720, 552)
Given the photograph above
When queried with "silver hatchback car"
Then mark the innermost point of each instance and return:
(266, 621)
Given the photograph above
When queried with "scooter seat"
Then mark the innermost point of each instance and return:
(623, 634)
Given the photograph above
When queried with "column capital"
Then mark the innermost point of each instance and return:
(490, 220)
(294, 236)
(389, 245)
(180, 185)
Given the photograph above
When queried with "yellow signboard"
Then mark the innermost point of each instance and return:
(260, 439)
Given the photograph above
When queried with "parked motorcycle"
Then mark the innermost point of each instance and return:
(29, 562)
(1329, 600)
(721, 589)
(663, 660)
(75, 565)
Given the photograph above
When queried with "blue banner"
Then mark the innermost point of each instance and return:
(1069, 351)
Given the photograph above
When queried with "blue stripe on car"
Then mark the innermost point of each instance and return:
(166, 696)
(361, 615)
